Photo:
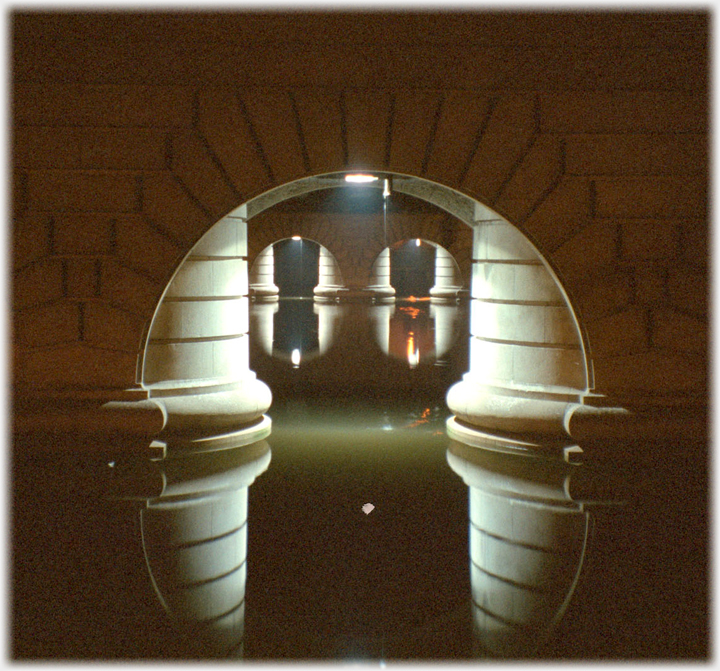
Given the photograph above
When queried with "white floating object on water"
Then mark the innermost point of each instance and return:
(368, 508)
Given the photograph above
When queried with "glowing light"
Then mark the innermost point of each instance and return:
(295, 357)
(360, 178)
(386, 189)
(417, 242)
(413, 353)
(296, 237)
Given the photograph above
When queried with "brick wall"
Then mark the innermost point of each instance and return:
(588, 132)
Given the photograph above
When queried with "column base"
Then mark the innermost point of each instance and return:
(447, 294)
(515, 411)
(208, 408)
(561, 448)
(252, 433)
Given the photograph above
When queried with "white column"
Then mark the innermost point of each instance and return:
(448, 283)
(262, 279)
(330, 285)
(526, 357)
(197, 357)
(380, 288)
(195, 542)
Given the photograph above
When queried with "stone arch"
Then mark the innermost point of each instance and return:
(261, 274)
(448, 278)
(527, 330)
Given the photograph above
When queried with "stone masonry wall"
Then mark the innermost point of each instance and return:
(132, 135)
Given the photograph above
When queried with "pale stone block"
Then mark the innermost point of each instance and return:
(501, 240)
(228, 237)
(490, 362)
(200, 277)
(504, 281)
(524, 323)
(223, 359)
(201, 319)
(548, 366)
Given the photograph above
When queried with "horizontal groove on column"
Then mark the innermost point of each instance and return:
(513, 583)
(206, 581)
(180, 341)
(222, 615)
(191, 544)
(510, 541)
(510, 262)
(510, 301)
(495, 616)
(527, 343)
(198, 299)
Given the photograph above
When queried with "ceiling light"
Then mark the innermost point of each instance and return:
(360, 178)
(296, 237)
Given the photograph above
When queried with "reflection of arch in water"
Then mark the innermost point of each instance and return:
(194, 537)
(528, 540)
(414, 333)
(329, 283)
(263, 316)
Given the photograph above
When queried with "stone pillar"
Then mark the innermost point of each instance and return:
(262, 279)
(197, 357)
(330, 285)
(448, 285)
(194, 537)
(527, 542)
(380, 288)
(527, 362)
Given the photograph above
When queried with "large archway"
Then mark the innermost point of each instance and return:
(528, 357)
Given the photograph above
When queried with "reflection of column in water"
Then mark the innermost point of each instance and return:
(380, 315)
(527, 545)
(329, 319)
(195, 542)
(444, 316)
(262, 317)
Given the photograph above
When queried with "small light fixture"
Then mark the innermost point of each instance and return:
(386, 189)
(360, 178)
(296, 237)
(418, 242)
(295, 358)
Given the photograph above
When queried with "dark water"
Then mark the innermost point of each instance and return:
(324, 579)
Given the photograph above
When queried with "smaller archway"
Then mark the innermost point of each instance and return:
(295, 267)
(412, 268)
(419, 268)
